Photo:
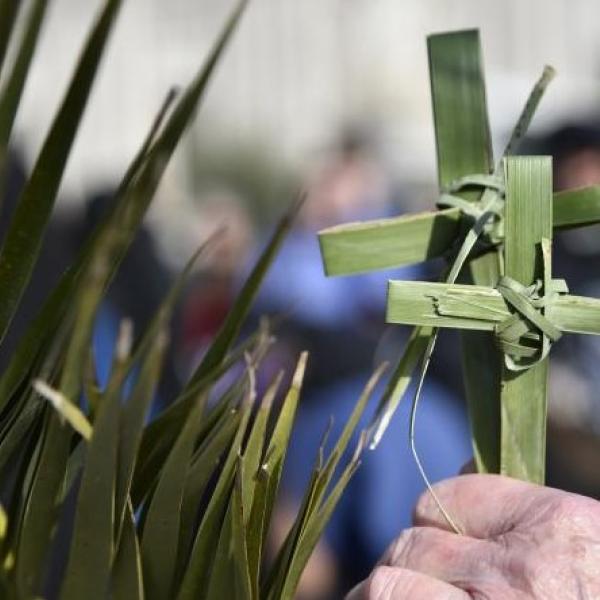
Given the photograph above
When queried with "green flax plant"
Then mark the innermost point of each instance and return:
(111, 505)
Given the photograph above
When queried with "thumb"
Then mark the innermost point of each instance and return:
(391, 583)
(484, 506)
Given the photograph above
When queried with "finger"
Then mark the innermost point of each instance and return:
(389, 583)
(482, 505)
(441, 554)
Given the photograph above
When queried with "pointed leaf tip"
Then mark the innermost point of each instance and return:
(66, 409)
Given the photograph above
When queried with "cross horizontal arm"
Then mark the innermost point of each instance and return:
(479, 308)
(387, 243)
(576, 207)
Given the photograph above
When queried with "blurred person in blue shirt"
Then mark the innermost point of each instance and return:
(340, 321)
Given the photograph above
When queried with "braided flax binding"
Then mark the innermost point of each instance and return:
(493, 228)
(527, 335)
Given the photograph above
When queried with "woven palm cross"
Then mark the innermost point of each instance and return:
(510, 211)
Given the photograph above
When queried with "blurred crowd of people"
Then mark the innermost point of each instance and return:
(341, 322)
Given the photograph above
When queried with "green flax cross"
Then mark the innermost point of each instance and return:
(527, 311)
(507, 408)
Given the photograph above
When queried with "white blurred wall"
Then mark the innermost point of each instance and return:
(301, 68)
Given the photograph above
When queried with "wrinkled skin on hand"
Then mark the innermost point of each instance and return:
(520, 542)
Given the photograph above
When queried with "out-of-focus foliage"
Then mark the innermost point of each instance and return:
(95, 498)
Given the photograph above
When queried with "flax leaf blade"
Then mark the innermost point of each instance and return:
(523, 399)
(13, 88)
(464, 148)
(23, 240)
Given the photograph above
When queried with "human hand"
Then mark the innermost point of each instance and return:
(521, 541)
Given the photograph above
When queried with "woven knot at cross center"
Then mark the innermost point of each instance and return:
(527, 335)
(487, 212)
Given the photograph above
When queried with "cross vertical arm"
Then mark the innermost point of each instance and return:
(528, 220)
(463, 148)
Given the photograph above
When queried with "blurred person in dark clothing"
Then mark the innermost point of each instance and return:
(136, 292)
(576, 155)
(54, 257)
(574, 406)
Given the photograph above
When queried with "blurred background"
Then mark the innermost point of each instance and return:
(329, 96)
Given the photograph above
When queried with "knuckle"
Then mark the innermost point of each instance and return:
(404, 546)
(423, 505)
(380, 585)
(532, 572)
(523, 572)
(566, 506)
(426, 508)
(571, 514)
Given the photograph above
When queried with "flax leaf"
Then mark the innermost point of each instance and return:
(316, 506)
(152, 343)
(409, 239)
(576, 207)
(127, 572)
(9, 9)
(254, 450)
(132, 422)
(65, 408)
(202, 570)
(160, 538)
(480, 308)
(277, 447)
(52, 314)
(91, 550)
(386, 243)
(464, 148)
(239, 542)
(314, 530)
(22, 243)
(13, 88)
(399, 382)
(523, 398)
(160, 433)
(205, 464)
(40, 511)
